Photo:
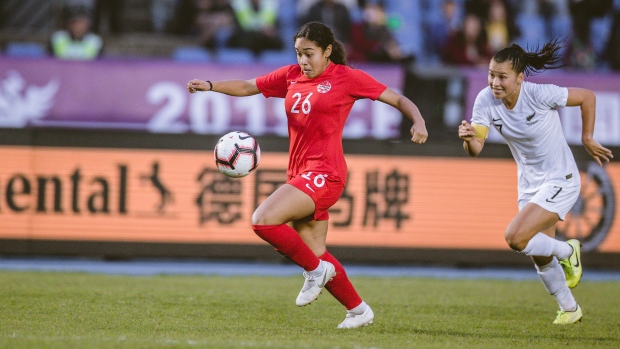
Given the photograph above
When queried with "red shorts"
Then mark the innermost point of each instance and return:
(324, 191)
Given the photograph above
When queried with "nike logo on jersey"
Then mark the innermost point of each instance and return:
(554, 195)
(528, 120)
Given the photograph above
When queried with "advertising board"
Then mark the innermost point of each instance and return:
(178, 196)
(151, 96)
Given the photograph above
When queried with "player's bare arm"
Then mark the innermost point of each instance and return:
(586, 99)
(237, 88)
(471, 143)
(419, 134)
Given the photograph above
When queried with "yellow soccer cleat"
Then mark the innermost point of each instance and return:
(572, 266)
(568, 317)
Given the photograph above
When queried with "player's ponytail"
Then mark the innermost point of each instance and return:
(531, 63)
(338, 56)
(323, 36)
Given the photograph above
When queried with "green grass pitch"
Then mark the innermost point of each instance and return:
(79, 310)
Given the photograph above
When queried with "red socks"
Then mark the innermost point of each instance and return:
(340, 287)
(288, 242)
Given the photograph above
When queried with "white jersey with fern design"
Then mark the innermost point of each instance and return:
(533, 132)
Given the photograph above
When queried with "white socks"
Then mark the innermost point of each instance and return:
(359, 310)
(318, 271)
(552, 276)
(544, 246)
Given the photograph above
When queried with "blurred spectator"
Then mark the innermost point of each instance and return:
(498, 18)
(162, 12)
(438, 30)
(554, 15)
(500, 25)
(468, 46)
(212, 21)
(256, 25)
(76, 41)
(371, 40)
(4, 15)
(110, 13)
(581, 54)
(478, 7)
(613, 44)
(335, 15)
(304, 5)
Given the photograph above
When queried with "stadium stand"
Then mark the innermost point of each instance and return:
(234, 56)
(191, 54)
(532, 30)
(32, 21)
(277, 57)
(25, 50)
(288, 22)
(408, 29)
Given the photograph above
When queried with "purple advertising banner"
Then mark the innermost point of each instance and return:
(151, 96)
(605, 86)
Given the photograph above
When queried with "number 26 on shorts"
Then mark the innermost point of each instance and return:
(316, 183)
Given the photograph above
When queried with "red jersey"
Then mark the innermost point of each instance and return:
(317, 110)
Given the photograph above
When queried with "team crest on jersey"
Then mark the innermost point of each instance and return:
(324, 87)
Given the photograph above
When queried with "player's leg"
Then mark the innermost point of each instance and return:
(324, 192)
(304, 198)
(539, 212)
(269, 220)
(314, 233)
(358, 312)
(525, 233)
(552, 276)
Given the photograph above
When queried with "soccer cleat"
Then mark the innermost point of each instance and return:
(355, 321)
(572, 265)
(568, 317)
(314, 284)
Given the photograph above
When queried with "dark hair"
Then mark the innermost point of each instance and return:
(531, 63)
(322, 36)
(75, 11)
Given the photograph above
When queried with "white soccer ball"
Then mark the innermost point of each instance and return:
(237, 154)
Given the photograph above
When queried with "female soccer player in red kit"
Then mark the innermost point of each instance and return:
(319, 93)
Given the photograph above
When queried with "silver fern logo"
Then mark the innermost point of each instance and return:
(20, 104)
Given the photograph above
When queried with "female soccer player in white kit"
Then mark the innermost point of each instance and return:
(525, 114)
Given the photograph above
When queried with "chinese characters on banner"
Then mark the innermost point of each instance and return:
(179, 196)
(221, 198)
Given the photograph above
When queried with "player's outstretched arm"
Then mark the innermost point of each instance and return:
(419, 134)
(586, 99)
(472, 144)
(237, 88)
